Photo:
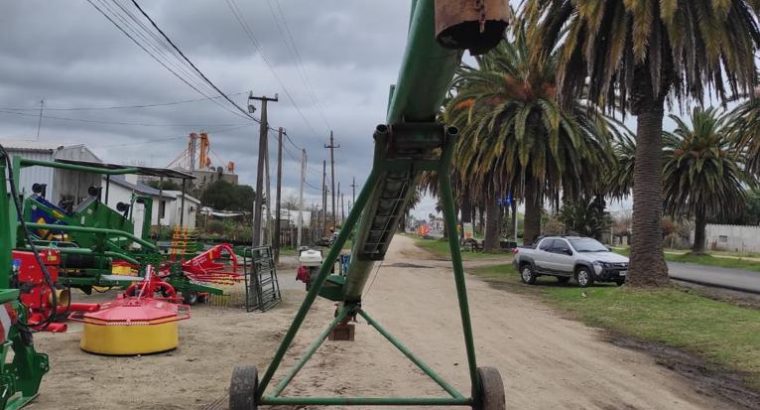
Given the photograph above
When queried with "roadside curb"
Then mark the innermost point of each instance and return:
(715, 285)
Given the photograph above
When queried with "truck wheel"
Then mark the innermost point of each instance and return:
(584, 278)
(620, 282)
(243, 386)
(491, 395)
(563, 279)
(527, 275)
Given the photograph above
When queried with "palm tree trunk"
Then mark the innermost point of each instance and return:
(493, 224)
(647, 267)
(466, 212)
(533, 202)
(699, 232)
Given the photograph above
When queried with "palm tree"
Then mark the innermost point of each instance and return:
(703, 174)
(744, 126)
(634, 55)
(619, 181)
(516, 137)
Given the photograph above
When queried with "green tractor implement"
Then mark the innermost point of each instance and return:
(92, 236)
(409, 143)
(20, 377)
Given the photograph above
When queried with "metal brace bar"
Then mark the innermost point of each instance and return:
(408, 353)
(342, 313)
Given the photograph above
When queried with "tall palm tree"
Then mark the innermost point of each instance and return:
(634, 55)
(703, 174)
(619, 181)
(516, 137)
(744, 126)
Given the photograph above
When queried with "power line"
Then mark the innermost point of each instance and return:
(299, 61)
(141, 124)
(162, 139)
(257, 46)
(136, 32)
(174, 46)
(117, 107)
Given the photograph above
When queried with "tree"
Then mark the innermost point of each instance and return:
(634, 55)
(223, 195)
(703, 175)
(587, 217)
(516, 137)
(166, 185)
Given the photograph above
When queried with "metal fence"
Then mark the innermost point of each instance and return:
(262, 290)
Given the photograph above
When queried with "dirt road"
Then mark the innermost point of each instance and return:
(547, 362)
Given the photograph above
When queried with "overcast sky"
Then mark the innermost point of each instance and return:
(346, 55)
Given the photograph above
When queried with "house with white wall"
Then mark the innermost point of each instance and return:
(60, 183)
(166, 204)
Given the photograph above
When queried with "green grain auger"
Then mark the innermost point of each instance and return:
(409, 143)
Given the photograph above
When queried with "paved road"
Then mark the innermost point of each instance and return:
(729, 278)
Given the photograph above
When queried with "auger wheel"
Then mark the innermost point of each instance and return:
(243, 386)
(490, 395)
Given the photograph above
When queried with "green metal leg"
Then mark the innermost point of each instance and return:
(449, 216)
(324, 271)
(408, 353)
(342, 313)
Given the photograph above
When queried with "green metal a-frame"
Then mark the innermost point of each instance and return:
(20, 377)
(409, 143)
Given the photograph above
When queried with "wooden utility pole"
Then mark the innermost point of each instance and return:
(332, 147)
(353, 190)
(300, 199)
(279, 192)
(263, 147)
(324, 198)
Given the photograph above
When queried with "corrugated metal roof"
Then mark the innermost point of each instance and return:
(32, 146)
(139, 187)
(149, 171)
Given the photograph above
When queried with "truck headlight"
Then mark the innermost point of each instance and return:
(598, 267)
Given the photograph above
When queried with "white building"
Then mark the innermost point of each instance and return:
(61, 183)
(166, 204)
(734, 238)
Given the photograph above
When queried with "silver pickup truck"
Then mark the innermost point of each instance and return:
(566, 257)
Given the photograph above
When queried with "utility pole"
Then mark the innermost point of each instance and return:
(277, 206)
(342, 210)
(336, 215)
(353, 190)
(263, 129)
(332, 147)
(324, 198)
(300, 199)
(39, 122)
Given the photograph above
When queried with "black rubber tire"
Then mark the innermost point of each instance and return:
(531, 276)
(579, 277)
(620, 282)
(563, 279)
(491, 395)
(203, 298)
(189, 297)
(243, 386)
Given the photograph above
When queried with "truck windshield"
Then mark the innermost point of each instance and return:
(588, 245)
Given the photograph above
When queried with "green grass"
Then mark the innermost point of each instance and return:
(440, 248)
(720, 332)
(708, 260)
(735, 263)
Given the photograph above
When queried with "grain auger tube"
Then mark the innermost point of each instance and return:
(409, 143)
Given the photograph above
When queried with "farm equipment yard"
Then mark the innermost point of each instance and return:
(553, 363)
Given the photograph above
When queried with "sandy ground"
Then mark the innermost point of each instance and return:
(547, 362)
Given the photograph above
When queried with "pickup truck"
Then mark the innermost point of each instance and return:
(565, 257)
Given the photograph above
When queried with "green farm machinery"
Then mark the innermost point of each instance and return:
(92, 237)
(21, 366)
(408, 144)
